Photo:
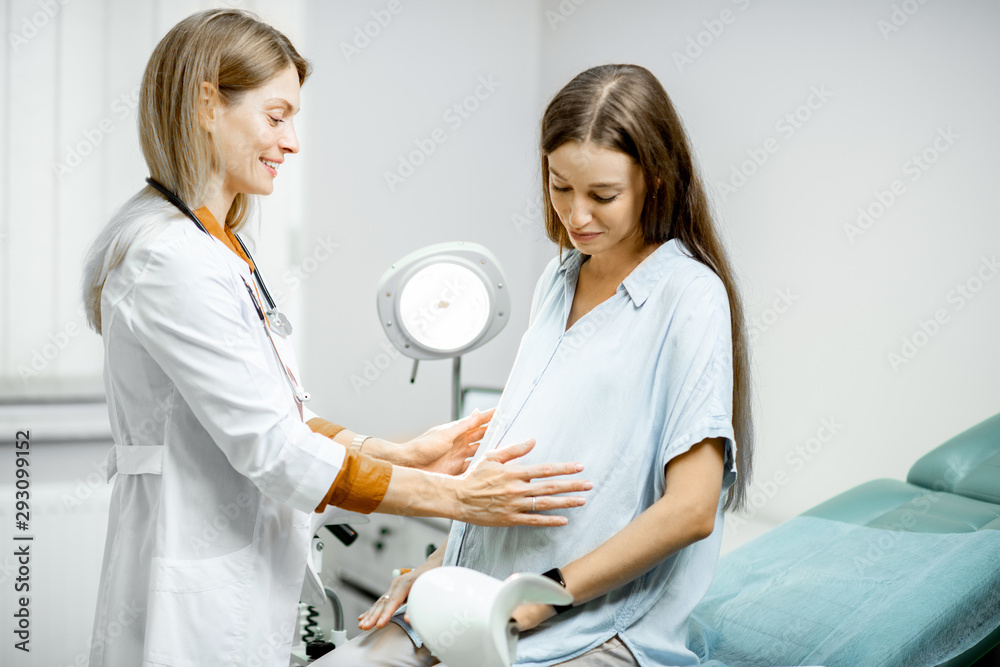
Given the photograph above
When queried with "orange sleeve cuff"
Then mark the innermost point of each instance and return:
(362, 481)
(360, 485)
(323, 427)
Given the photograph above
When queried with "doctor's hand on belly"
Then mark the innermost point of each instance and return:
(494, 491)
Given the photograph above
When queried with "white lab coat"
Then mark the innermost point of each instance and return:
(217, 474)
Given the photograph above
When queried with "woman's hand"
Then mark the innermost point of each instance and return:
(381, 612)
(383, 609)
(447, 448)
(527, 616)
(495, 492)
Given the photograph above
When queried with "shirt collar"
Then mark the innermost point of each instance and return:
(640, 283)
(223, 233)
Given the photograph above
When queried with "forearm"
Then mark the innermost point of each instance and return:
(418, 493)
(665, 528)
(628, 554)
(376, 448)
(436, 559)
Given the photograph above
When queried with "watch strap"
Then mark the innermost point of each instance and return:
(555, 574)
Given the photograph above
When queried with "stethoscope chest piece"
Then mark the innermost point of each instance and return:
(278, 323)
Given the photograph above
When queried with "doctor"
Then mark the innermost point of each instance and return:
(221, 469)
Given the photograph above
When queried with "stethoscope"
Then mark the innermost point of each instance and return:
(272, 318)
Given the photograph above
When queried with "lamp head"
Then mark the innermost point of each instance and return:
(443, 300)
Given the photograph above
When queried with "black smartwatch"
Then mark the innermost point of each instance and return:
(556, 575)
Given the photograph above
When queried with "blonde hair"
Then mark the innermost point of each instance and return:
(235, 52)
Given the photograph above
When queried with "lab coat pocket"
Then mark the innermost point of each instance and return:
(188, 596)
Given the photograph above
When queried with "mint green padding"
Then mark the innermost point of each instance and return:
(954, 488)
(968, 464)
(887, 573)
(895, 505)
(819, 592)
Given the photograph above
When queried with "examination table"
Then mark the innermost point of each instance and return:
(886, 574)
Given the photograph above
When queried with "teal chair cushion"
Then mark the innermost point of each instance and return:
(791, 592)
(895, 505)
(967, 465)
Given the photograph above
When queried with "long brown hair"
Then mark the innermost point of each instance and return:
(235, 52)
(624, 108)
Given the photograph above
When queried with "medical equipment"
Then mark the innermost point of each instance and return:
(272, 318)
(442, 301)
(311, 641)
(464, 616)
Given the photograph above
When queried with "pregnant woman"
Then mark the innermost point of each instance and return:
(634, 363)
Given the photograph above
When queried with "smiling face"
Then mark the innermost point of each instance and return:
(598, 195)
(256, 133)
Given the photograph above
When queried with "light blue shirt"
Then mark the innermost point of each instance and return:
(635, 382)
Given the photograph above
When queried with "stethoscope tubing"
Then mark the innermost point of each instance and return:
(301, 395)
(179, 203)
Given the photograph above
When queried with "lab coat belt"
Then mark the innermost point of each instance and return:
(134, 460)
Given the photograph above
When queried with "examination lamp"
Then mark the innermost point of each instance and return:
(442, 301)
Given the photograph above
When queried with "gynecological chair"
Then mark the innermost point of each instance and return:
(887, 573)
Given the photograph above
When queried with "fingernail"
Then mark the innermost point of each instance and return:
(579, 467)
(588, 486)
